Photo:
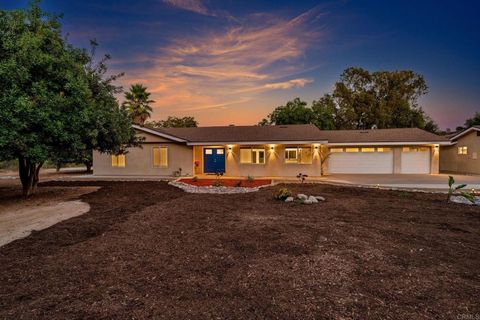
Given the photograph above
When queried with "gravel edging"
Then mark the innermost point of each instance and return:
(215, 190)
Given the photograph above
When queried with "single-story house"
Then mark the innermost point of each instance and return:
(463, 155)
(275, 151)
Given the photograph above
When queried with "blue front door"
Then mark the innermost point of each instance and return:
(214, 160)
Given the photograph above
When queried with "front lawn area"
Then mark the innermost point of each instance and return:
(149, 250)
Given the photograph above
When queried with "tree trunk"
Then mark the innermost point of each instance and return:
(88, 164)
(28, 171)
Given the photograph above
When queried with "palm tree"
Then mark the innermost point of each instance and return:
(137, 103)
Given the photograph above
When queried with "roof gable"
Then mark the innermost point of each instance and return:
(464, 132)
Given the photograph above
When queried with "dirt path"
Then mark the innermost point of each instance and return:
(50, 205)
(148, 250)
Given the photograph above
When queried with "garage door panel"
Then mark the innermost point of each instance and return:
(416, 162)
(359, 162)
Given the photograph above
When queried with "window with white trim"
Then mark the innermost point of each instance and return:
(298, 155)
(160, 157)
(118, 160)
(463, 150)
(252, 155)
(368, 149)
(351, 149)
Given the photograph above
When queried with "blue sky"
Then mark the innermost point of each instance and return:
(232, 62)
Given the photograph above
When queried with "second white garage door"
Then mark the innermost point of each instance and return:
(371, 160)
(416, 160)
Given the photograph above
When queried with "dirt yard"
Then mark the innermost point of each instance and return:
(149, 250)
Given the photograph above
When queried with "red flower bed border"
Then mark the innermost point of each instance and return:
(228, 182)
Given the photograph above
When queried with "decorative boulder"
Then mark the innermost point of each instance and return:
(289, 199)
(302, 196)
(312, 199)
(319, 198)
(307, 201)
(463, 200)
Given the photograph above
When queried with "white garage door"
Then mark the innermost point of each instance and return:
(416, 160)
(360, 160)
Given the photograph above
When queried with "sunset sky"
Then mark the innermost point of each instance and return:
(232, 62)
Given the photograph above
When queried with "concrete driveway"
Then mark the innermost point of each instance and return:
(405, 181)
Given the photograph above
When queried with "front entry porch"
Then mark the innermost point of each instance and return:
(266, 160)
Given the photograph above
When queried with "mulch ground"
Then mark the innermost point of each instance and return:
(149, 250)
(227, 182)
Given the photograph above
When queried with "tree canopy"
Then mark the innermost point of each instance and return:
(137, 103)
(174, 122)
(473, 121)
(52, 105)
(362, 100)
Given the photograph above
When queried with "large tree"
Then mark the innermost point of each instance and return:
(174, 122)
(473, 121)
(293, 112)
(381, 99)
(137, 103)
(362, 100)
(47, 106)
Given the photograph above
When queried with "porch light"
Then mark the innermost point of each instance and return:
(230, 148)
(272, 147)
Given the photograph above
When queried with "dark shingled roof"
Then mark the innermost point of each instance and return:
(301, 132)
(381, 135)
(305, 132)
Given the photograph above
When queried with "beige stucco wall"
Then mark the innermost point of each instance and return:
(274, 166)
(139, 161)
(451, 161)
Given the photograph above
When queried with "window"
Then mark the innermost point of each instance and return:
(118, 160)
(291, 155)
(298, 155)
(384, 149)
(250, 155)
(415, 149)
(160, 157)
(208, 151)
(351, 149)
(335, 150)
(220, 151)
(368, 149)
(463, 150)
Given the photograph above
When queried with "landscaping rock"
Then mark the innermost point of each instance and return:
(463, 200)
(289, 199)
(307, 201)
(312, 199)
(319, 198)
(302, 196)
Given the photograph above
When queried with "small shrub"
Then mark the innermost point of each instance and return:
(283, 194)
(404, 194)
(238, 184)
(302, 177)
(195, 179)
(452, 188)
(469, 196)
(217, 183)
(250, 178)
